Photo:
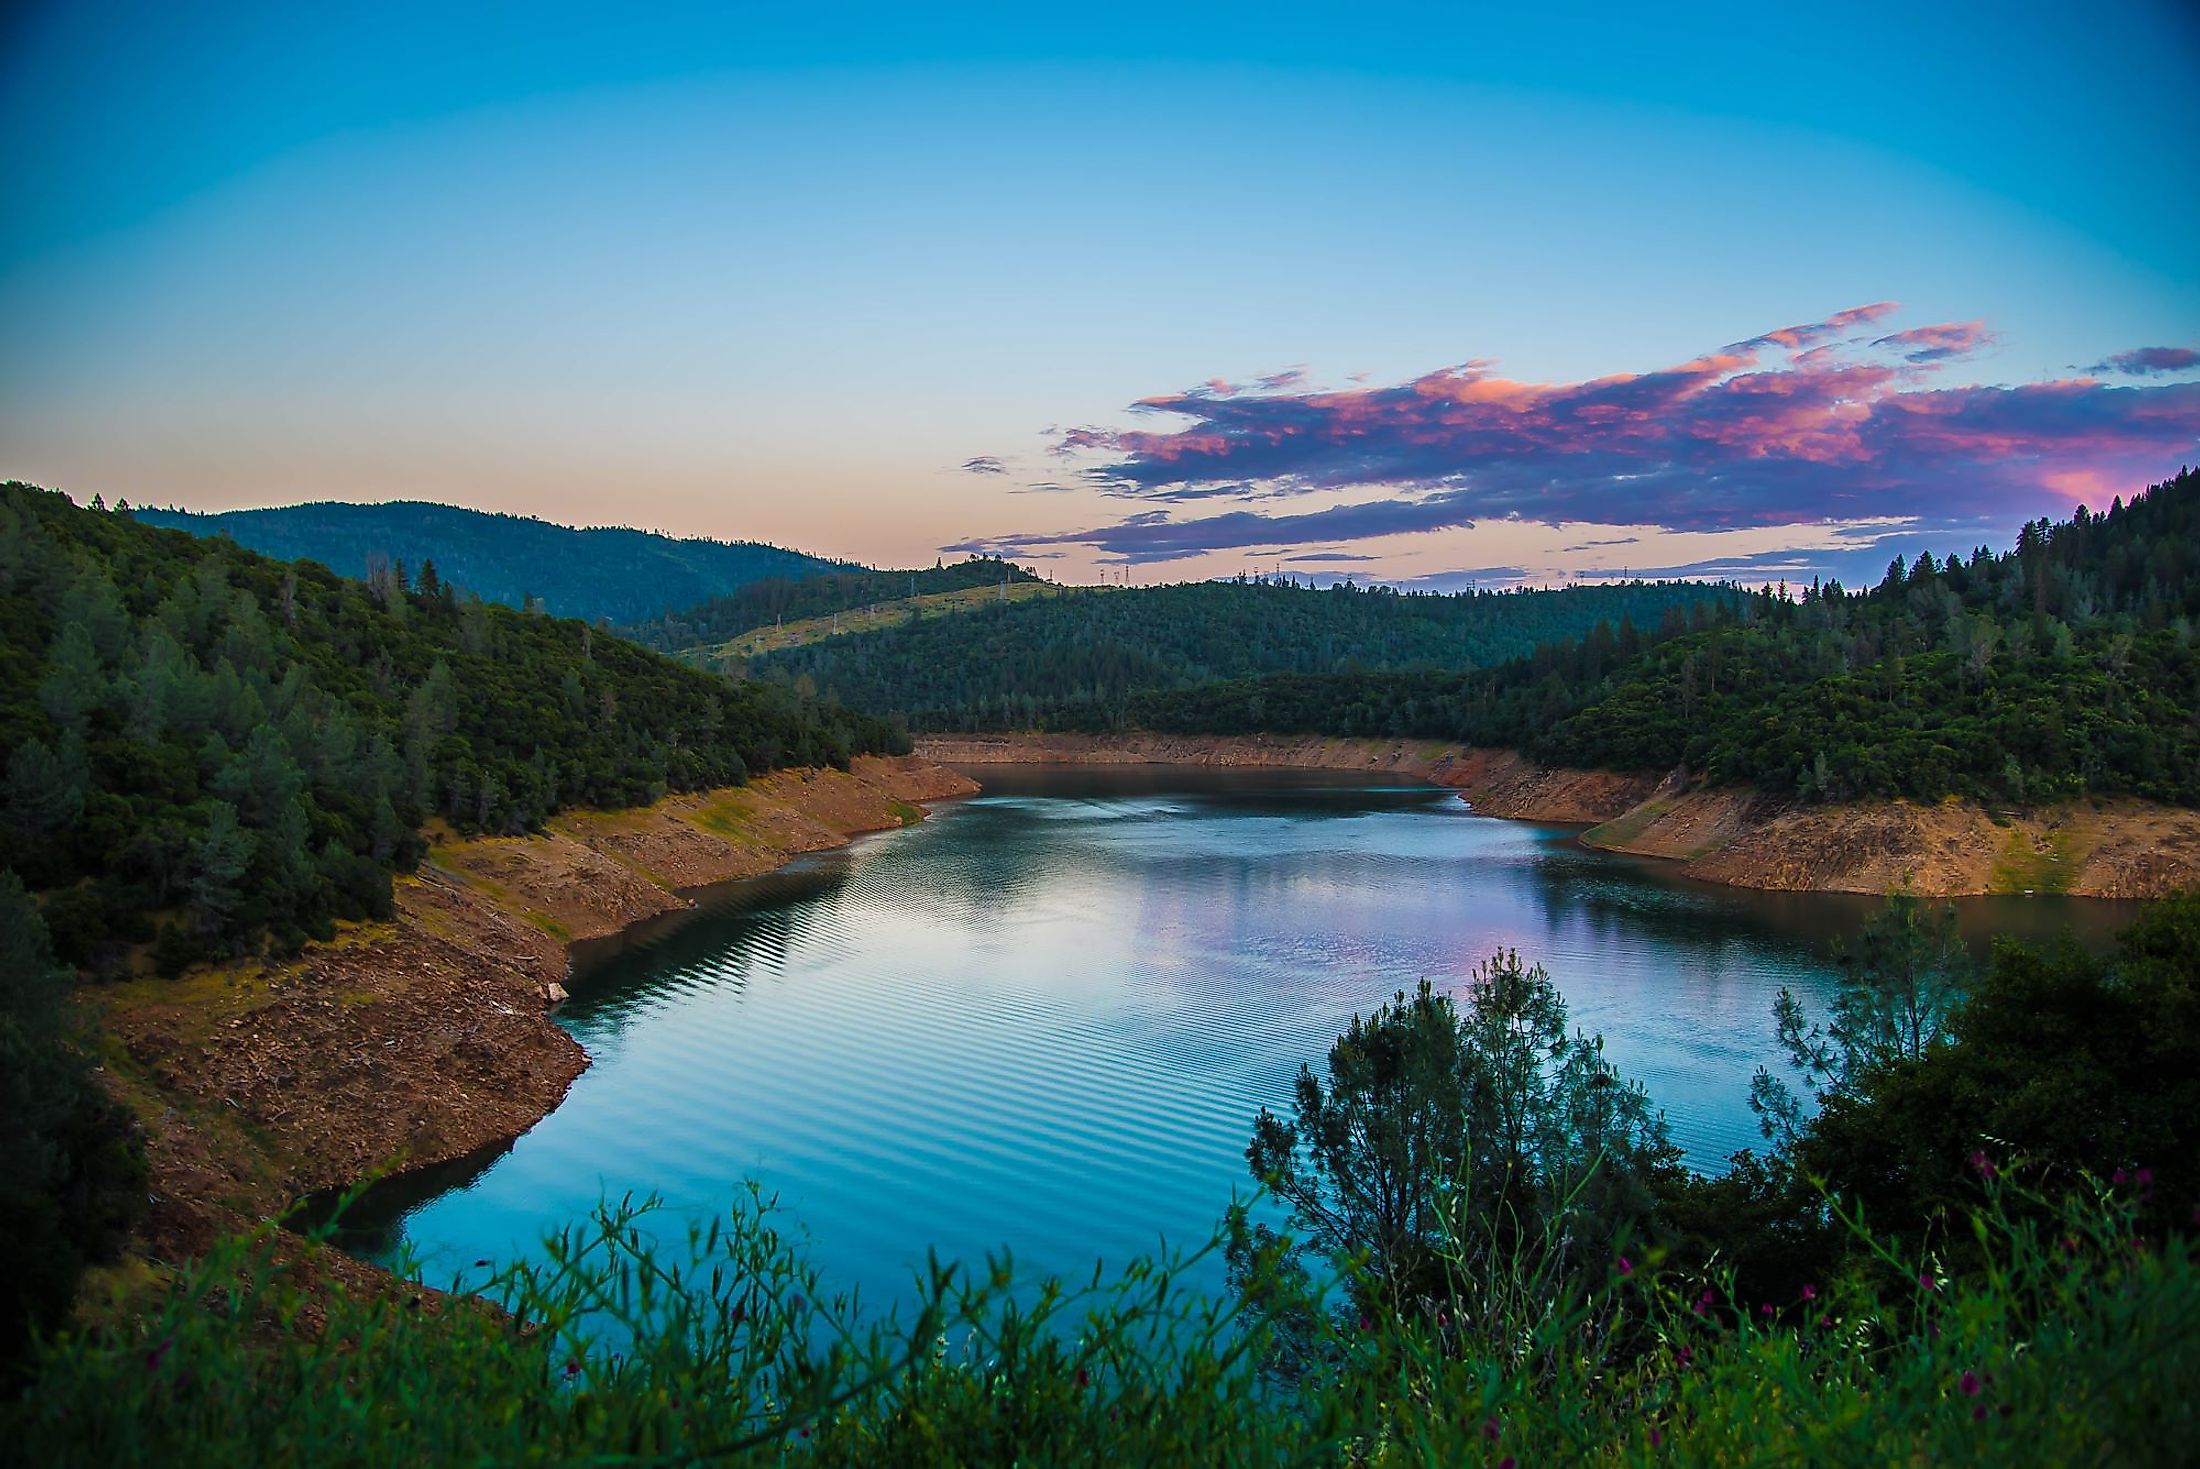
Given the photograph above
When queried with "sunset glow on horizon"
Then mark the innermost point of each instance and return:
(1434, 297)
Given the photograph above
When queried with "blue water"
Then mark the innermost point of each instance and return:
(1045, 1018)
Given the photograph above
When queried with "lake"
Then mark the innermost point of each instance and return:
(1045, 1018)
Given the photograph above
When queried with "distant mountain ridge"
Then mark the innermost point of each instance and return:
(1077, 660)
(624, 575)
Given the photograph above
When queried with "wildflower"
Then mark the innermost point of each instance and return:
(1924, 1280)
(152, 1358)
(1489, 1429)
(2117, 1178)
(1810, 1292)
(1978, 1414)
(1982, 1164)
(1656, 1437)
(1506, 1462)
(1765, 1309)
(1683, 1356)
(2144, 1178)
(1626, 1266)
(1969, 1384)
(1365, 1324)
(572, 1367)
(1084, 1378)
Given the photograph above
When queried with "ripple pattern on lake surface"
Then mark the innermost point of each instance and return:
(1046, 1018)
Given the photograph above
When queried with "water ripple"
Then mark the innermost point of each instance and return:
(1047, 1018)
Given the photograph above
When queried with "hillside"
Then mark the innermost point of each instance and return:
(2062, 667)
(778, 601)
(1073, 662)
(761, 640)
(625, 575)
(206, 750)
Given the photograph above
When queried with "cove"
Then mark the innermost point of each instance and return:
(1045, 1018)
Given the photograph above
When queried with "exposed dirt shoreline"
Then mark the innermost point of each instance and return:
(1736, 836)
(420, 1040)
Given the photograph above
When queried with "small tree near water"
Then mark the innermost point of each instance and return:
(1901, 983)
(1455, 1140)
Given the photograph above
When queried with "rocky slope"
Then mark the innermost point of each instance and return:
(1745, 838)
(420, 1040)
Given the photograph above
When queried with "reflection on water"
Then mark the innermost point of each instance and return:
(1046, 1018)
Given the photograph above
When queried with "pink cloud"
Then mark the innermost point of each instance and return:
(1938, 343)
(1806, 424)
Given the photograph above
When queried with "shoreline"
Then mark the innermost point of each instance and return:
(1735, 836)
(412, 1042)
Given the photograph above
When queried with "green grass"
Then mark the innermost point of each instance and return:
(1625, 828)
(865, 619)
(2037, 865)
(2071, 1342)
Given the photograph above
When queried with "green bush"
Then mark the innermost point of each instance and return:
(2072, 1342)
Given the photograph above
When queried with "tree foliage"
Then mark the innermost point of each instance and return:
(815, 594)
(72, 1180)
(201, 747)
(1452, 1138)
(1077, 661)
(2070, 1059)
(2064, 666)
(1901, 982)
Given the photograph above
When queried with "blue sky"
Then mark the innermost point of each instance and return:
(744, 272)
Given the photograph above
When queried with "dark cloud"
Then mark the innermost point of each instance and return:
(1330, 556)
(1465, 579)
(1752, 567)
(1616, 541)
(1807, 424)
(2149, 361)
(1938, 343)
(984, 464)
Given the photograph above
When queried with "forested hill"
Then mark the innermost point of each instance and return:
(203, 747)
(2065, 665)
(820, 594)
(624, 575)
(1072, 662)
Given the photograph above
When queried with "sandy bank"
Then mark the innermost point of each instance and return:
(1745, 838)
(423, 1039)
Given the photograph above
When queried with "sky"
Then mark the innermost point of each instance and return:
(1432, 295)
